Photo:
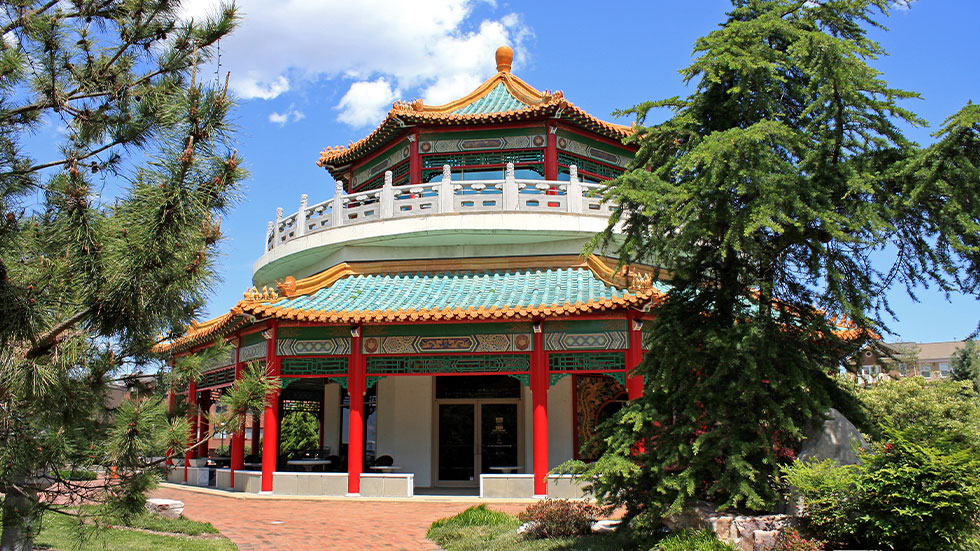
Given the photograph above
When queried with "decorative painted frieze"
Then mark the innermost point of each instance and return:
(477, 144)
(588, 150)
(299, 347)
(410, 344)
(606, 340)
(252, 352)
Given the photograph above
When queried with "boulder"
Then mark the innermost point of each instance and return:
(837, 439)
(604, 526)
(170, 508)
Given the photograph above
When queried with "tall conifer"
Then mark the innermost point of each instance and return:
(767, 194)
(106, 243)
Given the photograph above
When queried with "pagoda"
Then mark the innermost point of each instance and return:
(436, 313)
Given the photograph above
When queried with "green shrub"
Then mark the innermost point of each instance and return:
(558, 518)
(693, 540)
(905, 495)
(925, 410)
(74, 475)
(477, 515)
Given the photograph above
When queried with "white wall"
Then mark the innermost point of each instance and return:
(560, 422)
(331, 417)
(560, 425)
(405, 424)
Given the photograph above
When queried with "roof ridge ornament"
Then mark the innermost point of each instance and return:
(505, 58)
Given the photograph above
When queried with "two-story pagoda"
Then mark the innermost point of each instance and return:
(436, 313)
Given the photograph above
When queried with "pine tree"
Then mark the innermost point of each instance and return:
(965, 364)
(765, 195)
(105, 245)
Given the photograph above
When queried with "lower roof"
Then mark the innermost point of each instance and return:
(379, 292)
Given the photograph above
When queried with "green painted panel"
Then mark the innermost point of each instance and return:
(594, 361)
(313, 333)
(584, 326)
(529, 131)
(446, 329)
(314, 366)
(572, 137)
(253, 338)
(497, 363)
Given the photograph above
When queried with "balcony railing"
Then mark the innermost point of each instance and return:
(464, 196)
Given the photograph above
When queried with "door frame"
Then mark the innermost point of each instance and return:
(477, 437)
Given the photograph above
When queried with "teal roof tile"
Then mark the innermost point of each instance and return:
(499, 100)
(450, 290)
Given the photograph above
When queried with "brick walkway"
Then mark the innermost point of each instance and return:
(265, 524)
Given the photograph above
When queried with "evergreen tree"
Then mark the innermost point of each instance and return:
(765, 195)
(299, 433)
(106, 244)
(965, 364)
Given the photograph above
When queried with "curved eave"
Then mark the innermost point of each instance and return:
(455, 314)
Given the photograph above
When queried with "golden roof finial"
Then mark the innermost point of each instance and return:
(504, 56)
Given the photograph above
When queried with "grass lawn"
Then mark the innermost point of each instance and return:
(479, 529)
(64, 533)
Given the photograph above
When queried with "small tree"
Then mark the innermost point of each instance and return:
(299, 433)
(965, 364)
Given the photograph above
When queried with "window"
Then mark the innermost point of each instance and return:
(903, 370)
(925, 371)
(944, 370)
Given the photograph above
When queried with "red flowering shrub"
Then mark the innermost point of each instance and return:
(791, 540)
(556, 518)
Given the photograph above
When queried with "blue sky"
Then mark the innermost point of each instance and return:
(313, 74)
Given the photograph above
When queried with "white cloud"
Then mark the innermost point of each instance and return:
(291, 115)
(366, 102)
(437, 49)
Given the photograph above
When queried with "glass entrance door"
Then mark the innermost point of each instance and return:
(474, 436)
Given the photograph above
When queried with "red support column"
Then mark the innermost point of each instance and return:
(192, 417)
(415, 161)
(539, 408)
(204, 426)
(356, 386)
(237, 437)
(270, 438)
(634, 383)
(551, 152)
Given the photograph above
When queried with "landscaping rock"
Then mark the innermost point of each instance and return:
(526, 527)
(837, 439)
(170, 508)
(604, 526)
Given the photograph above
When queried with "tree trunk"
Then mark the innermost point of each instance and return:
(19, 516)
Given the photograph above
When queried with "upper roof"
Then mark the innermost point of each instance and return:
(503, 97)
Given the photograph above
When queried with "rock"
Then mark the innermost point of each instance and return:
(526, 527)
(764, 539)
(170, 508)
(604, 526)
(837, 439)
(695, 516)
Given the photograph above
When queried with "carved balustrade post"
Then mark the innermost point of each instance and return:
(278, 226)
(301, 216)
(387, 197)
(446, 191)
(270, 241)
(510, 189)
(337, 210)
(574, 191)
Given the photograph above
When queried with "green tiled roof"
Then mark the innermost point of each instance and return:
(499, 100)
(450, 290)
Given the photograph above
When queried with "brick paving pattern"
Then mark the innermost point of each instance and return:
(307, 525)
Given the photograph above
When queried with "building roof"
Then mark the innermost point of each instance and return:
(501, 98)
(455, 295)
(930, 351)
(394, 292)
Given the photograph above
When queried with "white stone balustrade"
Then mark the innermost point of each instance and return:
(446, 196)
